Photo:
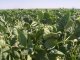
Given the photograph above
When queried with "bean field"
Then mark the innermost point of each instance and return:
(40, 34)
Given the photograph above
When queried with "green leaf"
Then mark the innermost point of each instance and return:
(22, 38)
(57, 52)
(16, 54)
(4, 56)
(29, 57)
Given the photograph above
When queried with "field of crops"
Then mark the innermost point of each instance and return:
(40, 34)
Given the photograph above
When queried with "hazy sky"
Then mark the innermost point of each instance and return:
(10, 4)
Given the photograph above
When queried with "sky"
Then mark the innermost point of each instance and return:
(29, 4)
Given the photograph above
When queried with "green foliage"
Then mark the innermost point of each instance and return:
(40, 34)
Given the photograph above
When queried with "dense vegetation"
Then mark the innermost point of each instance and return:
(40, 34)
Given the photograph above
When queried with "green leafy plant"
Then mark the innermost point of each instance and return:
(40, 34)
